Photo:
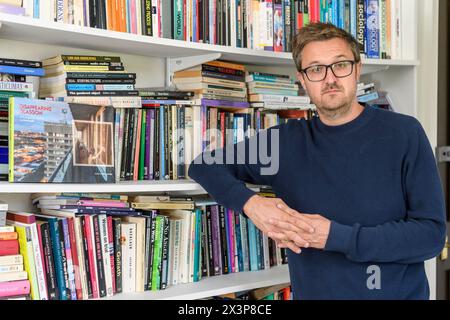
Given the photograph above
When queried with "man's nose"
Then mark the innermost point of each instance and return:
(330, 77)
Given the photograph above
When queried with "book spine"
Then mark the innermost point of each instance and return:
(39, 268)
(11, 141)
(75, 261)
(90, 243)
(165, 253)
(373, 29)
(52, 285)
(111, 253)
(129, 257)
(244, 243)
(152, 239)
(223, 240)
(211, 254)
(106, 257)
(238, 242)
(361, 29)
(14, 288)
(156, 275)
(148, 230)
(117, 254)
(176, 252)
(99, 257)
(204, 268)
(67, 280)
(148, 168)
(64, 292)
(82, 258)
(69, 261)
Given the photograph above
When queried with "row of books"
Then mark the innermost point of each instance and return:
(256, 24)
(67, 76)
(275, 292)
(91, 246)
(55, 141)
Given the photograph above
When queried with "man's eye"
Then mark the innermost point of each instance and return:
(317, 69)
(341, 65)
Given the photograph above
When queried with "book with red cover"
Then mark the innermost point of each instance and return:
(14, 288)
(9, 247)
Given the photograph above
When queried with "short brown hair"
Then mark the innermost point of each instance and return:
(320, 31)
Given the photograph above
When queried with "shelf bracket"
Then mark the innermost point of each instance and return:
(178, 64)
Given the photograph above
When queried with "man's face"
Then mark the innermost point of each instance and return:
(332, 95)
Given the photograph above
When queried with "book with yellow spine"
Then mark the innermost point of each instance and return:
(26, 250)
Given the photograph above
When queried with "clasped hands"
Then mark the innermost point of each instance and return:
(286, 226)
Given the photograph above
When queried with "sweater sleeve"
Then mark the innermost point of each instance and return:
(224, 172)
(417, 238)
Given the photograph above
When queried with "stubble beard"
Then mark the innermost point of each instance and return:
(335, 111)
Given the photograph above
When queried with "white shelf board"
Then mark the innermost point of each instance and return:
(52, 33)
(124, 187)
(120, 187)
(214, 286)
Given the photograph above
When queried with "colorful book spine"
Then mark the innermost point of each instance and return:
(68, 251)
(26, 249)
(373, 29)
(156, 275)
(38, 72)
(15, 288)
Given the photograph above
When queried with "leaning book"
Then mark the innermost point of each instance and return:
(60, 142)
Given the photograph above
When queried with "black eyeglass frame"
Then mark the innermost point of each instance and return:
(330, 66)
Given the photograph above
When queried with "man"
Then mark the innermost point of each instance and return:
(360, 203)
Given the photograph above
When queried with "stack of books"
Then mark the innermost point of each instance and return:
(17, 258)
(369, 96)
(13, 83)
(276, 99)
(217, 80)
(14, 283)
(275, 91)
(88, 77)
(12, 7)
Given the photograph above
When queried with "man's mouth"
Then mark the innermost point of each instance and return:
(331, 91)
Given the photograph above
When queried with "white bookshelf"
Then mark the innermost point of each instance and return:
(27, 38)
(125, 187)
(52, 33)
(214, 286)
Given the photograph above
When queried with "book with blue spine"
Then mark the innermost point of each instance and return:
(22, 71)
(64, 292)
(373, 29)
(353, 18)
(105, 87)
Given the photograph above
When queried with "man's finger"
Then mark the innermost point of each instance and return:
(290, 237)
(293, 247)
(278, 236)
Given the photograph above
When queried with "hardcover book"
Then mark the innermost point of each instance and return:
(60, 142)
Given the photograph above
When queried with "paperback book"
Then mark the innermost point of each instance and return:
(60, 142)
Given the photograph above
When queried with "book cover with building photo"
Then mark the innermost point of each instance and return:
(60, 142)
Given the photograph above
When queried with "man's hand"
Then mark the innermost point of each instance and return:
(289, 233)
(260, 210)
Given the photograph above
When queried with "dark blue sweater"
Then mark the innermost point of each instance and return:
(375, 178)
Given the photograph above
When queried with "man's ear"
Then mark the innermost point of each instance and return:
(300, 77)
(358, 70)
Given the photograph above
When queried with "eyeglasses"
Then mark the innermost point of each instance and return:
(319, 72)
